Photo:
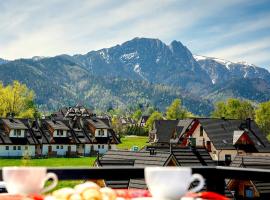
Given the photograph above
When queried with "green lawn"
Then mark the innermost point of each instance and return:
(53, 162)
(129, 141)
(50, 162)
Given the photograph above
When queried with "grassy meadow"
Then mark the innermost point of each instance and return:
(127, 143)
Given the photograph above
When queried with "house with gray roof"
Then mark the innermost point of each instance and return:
(169, 131)
(143, 119)
(104, 136)
(226, 138)
(250, 189)
(16, 139)
(152, 156)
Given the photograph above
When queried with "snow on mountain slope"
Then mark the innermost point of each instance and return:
(221, 70)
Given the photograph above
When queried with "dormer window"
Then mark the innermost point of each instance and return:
(17, 132)
(59, 132)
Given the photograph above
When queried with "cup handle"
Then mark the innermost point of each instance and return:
(200, 186)
(54, 183)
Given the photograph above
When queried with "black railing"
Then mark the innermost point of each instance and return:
(214, 176)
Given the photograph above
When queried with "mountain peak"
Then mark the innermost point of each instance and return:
(144, 41)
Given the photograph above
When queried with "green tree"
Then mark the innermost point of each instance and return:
(150, 110)
(176, 111)
(137, 115)
(18, 100)
(154, 116)
(262, 117)
(234, 109)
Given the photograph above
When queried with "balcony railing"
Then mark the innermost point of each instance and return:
(214, 176)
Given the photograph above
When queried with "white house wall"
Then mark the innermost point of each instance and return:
(59, 151)
(101, 148)
(87, 149)
(30, 151)
(218, 155)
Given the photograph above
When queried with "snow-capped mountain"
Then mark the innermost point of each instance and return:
(142, 70)
(221, 71)
(150, 60)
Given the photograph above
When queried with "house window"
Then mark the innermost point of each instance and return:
(17, 132)
(249, 192)
(102, 146)
(201, 131)
(98, 146)
(110, 147)
(19, 147)
(208, 146)
(14, 147)
(61, 146)
(57, 147)
(26, 147)
(102, 132)
(228, 159)
(60, 133)
(7, 147)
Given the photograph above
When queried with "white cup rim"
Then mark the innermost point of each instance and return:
(168, 168)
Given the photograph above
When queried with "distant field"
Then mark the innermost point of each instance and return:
(50, 162)
(129, 141)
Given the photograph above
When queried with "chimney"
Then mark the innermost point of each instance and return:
(248, 123)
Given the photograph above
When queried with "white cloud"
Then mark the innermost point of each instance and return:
(253, 51)
(54, 27)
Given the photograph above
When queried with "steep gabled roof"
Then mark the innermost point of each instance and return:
(164, 130)
(14, 123)
(98, 123)
(182, 126)
(130, 158)
(144, 118)
(254, 161)
(186, 156)
(57, 125)
(221, 132)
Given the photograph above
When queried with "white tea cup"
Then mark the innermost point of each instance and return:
(171, 182)
(27, 180)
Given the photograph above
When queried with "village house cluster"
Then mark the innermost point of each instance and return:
(200, 142)
(72, 131)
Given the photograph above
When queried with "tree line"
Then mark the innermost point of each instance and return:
(17, 100)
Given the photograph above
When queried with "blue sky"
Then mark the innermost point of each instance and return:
(236, 30)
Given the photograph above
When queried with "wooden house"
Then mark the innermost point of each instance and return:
(61, 140)
(143, 120)
(226, 138)
(250, 189)
(104, 136)
(16, 139)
